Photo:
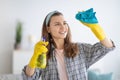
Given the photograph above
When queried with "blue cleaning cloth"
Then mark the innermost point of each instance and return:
(87, 16)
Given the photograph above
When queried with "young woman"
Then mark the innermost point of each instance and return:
(65, 60)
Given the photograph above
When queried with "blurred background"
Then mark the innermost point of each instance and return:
(23, 19)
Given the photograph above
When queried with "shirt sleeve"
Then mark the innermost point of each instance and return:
(92, 53)
(35, 76)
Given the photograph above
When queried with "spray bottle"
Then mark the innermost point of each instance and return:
(42, 59)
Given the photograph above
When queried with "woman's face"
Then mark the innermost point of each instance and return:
(58, 27)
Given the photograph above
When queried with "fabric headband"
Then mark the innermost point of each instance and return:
(49, 16)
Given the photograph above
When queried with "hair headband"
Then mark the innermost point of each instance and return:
(49, 16)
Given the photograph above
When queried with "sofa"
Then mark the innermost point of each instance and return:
(11, 77)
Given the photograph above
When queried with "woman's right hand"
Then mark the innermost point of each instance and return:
(40, 48)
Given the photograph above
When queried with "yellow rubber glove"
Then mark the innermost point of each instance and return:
(88, 19)
(97, 30)
(38, 59)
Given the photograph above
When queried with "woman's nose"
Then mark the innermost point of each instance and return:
(62, 26)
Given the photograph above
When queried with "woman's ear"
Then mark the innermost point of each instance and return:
(48, 29)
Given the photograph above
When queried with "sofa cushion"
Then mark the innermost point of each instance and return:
(107, 76)
(93, 75)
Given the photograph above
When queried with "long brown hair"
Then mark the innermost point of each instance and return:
(71, 49)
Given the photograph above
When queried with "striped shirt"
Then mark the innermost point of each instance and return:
(76, 67)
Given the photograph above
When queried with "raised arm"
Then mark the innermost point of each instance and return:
(88, 19)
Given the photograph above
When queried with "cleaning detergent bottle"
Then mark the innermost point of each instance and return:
(42, 59)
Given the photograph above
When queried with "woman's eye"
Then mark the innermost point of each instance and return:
(57, 24)
(65, 23)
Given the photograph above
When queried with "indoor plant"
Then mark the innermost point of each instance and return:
(18, 37)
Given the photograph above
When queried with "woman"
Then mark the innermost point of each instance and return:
(65, 60)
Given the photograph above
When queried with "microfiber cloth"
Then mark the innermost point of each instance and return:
(87, 16)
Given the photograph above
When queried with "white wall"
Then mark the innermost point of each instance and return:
(32, 12)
